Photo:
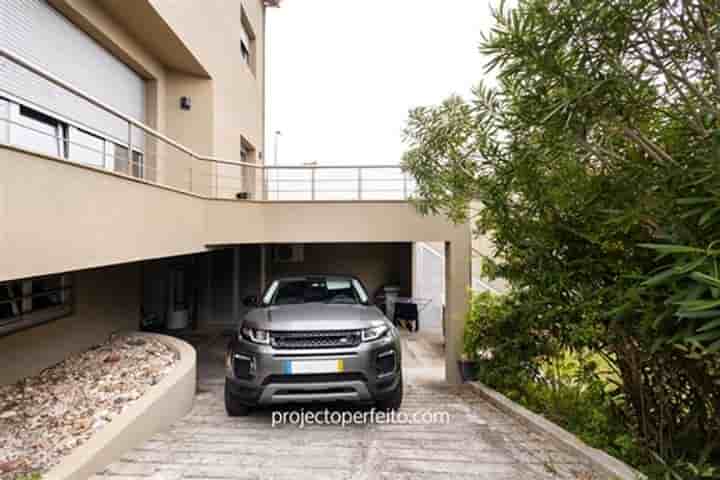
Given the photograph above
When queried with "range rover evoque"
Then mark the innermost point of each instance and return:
(313, 338)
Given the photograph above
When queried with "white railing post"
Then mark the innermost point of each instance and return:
(105, 154)
(405, 194)
(266, 183)
(130, 149)
(359, 184)
(277, 186)
(312, 183)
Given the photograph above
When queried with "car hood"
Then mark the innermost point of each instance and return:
(314, 316)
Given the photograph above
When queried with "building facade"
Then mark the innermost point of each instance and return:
(133, 191)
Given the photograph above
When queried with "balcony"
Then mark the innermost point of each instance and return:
(120, 145)
(76, 196)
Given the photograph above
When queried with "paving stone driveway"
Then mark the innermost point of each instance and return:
(479, 442)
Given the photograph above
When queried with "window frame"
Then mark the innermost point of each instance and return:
(20, 113)
(64, 135)
(26, 314)
(247, 41)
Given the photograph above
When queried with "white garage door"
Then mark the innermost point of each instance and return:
(36, 31)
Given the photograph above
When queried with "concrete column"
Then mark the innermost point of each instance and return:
(457, 298)
(210, 293)
(236, 285)
(263, 270)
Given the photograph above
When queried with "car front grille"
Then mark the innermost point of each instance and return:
(321, 339)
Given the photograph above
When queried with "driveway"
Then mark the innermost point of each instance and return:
(478, 442)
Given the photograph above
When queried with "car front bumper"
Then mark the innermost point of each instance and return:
(267, 381)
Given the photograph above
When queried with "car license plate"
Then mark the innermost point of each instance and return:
(294, 367)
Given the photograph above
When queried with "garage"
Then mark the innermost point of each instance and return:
(207, 291)
(42, 117)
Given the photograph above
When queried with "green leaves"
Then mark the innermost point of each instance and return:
(706, 279)
(594, 166)
(671, 249)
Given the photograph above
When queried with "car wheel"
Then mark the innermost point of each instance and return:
(393, 401)
(233, 406)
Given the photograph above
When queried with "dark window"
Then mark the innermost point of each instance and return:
(38, 116)
(138, 165)
(247, 41)
(244, 154)
(29, 302)
(245, 53)
(10, 300)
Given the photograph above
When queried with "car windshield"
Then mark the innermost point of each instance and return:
(347, 291)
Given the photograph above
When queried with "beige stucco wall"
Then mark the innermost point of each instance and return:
(227, 105)
(95, 219)
(483, 248)
(288, 222)
(106, 300)
(212, 30)
(59, 217)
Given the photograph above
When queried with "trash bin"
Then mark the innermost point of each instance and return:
(178, 320)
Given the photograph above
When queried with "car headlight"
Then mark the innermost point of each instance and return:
(255, 335)
(373, 333)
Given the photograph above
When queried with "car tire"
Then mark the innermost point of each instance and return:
(393, 401)
(233, 406)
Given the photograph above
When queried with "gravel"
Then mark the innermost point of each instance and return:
(45, 417)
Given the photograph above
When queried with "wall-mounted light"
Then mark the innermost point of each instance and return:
(185, 103)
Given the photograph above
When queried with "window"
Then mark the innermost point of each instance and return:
(244, 153)
(41, 132)
(138, 165)
(29, 302)
(121, 163)
(4, 121)
(86, 148)
(37, 131)
(247, 41)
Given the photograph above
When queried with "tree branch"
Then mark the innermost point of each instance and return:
(649, 146)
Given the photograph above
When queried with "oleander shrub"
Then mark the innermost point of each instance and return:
(595, 163)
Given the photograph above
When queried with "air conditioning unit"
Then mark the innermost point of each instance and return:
(289, 253)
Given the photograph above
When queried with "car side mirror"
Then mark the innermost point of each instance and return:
(250, 301)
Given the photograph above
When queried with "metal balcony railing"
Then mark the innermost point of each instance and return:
(147, 154)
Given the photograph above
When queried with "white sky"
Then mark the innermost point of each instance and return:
(342, 74)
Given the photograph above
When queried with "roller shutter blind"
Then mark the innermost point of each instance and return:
(38, 32)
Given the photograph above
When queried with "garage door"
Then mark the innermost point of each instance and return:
(36, 31)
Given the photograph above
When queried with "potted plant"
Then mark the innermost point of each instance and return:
(468, 366)
(478, 333)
